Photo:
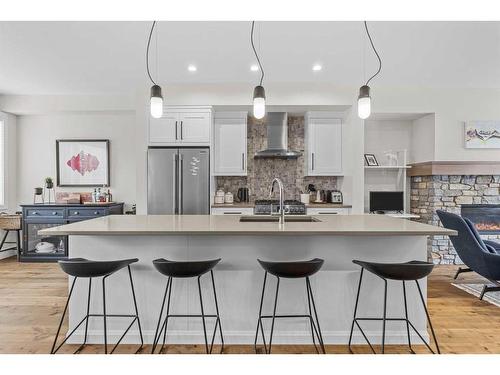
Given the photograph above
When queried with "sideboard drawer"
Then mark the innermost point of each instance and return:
(53, 213)
(87, 213)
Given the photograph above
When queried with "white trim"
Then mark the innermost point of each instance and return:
(4, 170)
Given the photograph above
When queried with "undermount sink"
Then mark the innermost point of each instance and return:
(275, 219)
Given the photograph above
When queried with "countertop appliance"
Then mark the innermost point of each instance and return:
(178, 181)
(271, 206)
(334, 196)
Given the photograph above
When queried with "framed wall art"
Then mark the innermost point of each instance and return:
(82, 162)
(482, 134)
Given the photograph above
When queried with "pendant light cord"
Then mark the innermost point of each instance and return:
(376, 53)
(256, 55)
(147, 52)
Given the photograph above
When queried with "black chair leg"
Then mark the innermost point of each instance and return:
(53, 350)
(356, 308)
(385, 316)
(3, 239)
(487, 289)
(158, 330)
(428, 316)
(274, 314)
(203, 316)
(406, 317)
(218, 316)
(320, 335)
(259, 319)
(104, 314)
(461, 270)
(136, 309)
(87, 318)
(18, 242)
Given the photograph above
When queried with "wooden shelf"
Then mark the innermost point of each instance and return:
(387, 167)
(433, 168)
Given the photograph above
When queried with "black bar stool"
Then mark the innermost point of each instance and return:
(290, 270)
(186, 269)
(84, 268)
(409, 271)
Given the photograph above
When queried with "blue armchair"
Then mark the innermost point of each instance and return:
(482, 257)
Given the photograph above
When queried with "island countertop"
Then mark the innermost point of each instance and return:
(230, 225)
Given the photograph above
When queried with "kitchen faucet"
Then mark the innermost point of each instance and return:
(282, 196)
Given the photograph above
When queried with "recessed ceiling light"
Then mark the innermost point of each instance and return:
(254, 68)
(317, 67)
(192, 68)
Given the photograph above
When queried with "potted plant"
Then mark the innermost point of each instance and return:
(49, 183)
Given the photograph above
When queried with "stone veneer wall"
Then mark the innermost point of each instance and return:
(260, 172)
(430, 193)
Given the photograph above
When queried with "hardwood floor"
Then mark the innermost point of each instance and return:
(32, 297)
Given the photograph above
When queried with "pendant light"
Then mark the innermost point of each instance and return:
(259, 94)
(364, 99)
(156, 98)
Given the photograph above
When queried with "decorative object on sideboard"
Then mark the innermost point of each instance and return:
(49, 189)
(364, 99)
(64, 197)
(82, 162)
(371, 160)
(482, 134)
(259, 94)
(38, 192)
(156, 97)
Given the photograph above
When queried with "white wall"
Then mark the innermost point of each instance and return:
(36, 154)
(387, 135)
(423, 139)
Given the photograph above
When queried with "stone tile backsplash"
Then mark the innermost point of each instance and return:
(260, 172)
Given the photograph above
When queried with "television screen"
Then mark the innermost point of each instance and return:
(386, 201)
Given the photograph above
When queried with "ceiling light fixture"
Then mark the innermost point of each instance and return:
(317, 67)
(156, 98)
(259, 94)
(192, 68)
(364, 99)
(254, 68)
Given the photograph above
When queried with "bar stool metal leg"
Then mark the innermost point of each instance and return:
(104, 314)
(406, 317)
(320, 335)
(158, 330)
(203, 316)
(356, 308)
(385, 316)
(218, 316)
(259, 320)
(274, 314)
(86, 320)
(313, 328)
(428, 318)
(167, 316)
(53, 350)
(136, 310)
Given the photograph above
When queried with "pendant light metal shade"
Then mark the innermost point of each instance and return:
(259, 102)
(364, 102)
(156, 102)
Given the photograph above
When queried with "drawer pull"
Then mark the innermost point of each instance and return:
(232, 213)
(35, 213)
(76, 213)
(96, 212)
(54, 213)
(327, 213)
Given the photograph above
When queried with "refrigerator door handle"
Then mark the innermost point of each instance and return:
(181, 182)
(174, 187)
(176, 130)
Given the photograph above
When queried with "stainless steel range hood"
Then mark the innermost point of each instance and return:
(277, 138)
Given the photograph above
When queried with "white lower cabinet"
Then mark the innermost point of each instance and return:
(327, 211)
(232, 210)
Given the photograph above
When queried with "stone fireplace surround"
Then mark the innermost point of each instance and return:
(449, 193)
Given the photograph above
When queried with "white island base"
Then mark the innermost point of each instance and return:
(239, 280)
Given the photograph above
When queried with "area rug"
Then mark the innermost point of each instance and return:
(476, 289)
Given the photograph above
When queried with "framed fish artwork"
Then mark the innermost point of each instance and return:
(482, 134)
(82, 162)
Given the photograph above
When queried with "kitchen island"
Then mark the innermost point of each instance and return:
(336, 239)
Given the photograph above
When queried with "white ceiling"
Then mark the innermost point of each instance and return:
(109, 57)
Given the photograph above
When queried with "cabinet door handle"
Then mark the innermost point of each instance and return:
(76, 213)
(232, 212)
(312, 161)
(54, 213)
(182, 123)
(176, 130)
(35, 213)
(96, 212)
(243, 161)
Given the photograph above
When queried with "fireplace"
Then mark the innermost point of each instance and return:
(486, 217)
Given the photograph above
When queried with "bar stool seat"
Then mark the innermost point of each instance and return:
(409, 271)
(292, 270)
(81, 267)
(85, 268)
(186, 269)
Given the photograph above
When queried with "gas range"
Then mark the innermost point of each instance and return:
(268, 206)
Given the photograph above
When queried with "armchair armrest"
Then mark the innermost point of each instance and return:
(493, 244)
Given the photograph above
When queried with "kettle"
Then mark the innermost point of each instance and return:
(243, 195)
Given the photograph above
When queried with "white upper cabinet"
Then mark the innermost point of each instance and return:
(323, 144)
(181, 126)
(230, 144)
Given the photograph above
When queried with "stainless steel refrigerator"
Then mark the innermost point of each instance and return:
(178, 181)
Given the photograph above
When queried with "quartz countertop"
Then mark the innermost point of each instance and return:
(230, 225)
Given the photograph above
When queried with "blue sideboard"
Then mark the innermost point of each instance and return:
(37, 248)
